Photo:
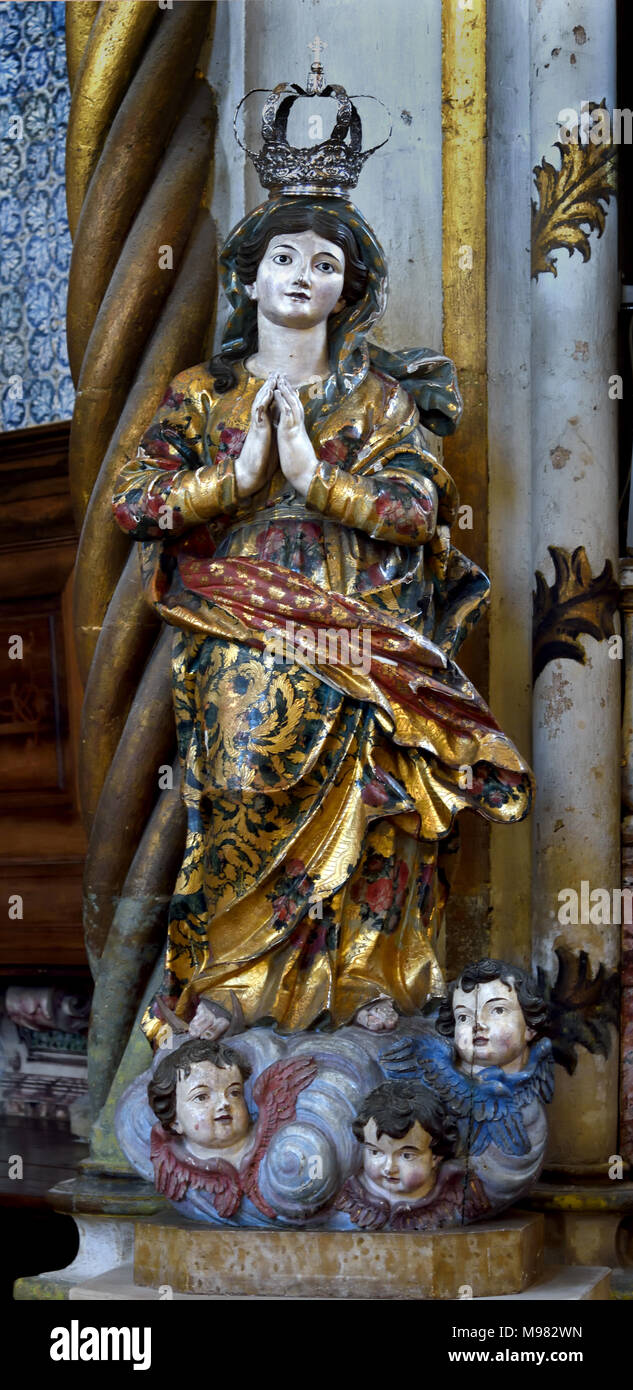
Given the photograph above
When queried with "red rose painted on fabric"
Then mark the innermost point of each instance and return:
(281, 909)
(496, 799)
(402, 877)
(295, 868)
(375, 864)
(169, 520)
(173, 399)
(310, 532)
(374, 794)
(507, 778)
(156, 508)
(232, 440)
(270, 542)
(159, 448)
(125, 516)
(388, 508)
(379, 895)
(333, 451)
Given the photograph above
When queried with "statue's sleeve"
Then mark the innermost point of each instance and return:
(392, 487)
(392, 507)
(174, 482)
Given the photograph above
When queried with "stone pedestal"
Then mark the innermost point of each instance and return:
(497, 1257)
(134, 1246)
(163, 1257)
(124, 1256)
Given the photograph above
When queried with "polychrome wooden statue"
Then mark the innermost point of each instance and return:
(295, 531)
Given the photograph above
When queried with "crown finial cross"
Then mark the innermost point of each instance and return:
(316, 77)
(317, 47)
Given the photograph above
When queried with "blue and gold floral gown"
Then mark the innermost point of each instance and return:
(317, 792)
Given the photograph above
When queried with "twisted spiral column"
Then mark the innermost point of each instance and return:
(139, 150)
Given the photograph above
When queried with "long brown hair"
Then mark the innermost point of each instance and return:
(289, 219)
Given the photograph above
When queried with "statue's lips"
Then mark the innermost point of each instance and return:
(297, 294)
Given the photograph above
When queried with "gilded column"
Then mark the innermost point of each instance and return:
(464, 93)
(140, 307)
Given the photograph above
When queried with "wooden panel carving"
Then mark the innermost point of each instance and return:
(42, 842)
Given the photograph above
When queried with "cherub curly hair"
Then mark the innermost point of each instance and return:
(161, 1090)
(396, 1105)
(481, 972)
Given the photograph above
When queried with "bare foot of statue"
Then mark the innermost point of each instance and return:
(378, 1017)
(209, 1022)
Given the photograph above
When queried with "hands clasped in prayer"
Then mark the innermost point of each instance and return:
(277, 406)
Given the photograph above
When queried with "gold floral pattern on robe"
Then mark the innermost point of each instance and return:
(317, 792)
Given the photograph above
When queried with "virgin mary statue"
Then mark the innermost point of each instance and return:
(294, 530)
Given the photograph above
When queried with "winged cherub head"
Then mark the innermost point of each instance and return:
(405, 1131)
(197, 1092)
(493, 1011)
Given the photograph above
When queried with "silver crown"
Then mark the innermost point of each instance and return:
(334, 166)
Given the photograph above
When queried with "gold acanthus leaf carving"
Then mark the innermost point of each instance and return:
(571, 198)
(577, 602)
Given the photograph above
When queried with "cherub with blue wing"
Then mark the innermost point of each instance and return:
(491, 1065)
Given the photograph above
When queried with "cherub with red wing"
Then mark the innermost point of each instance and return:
(275, 1094)
(205, 1138)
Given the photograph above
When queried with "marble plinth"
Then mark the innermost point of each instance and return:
(481, 1261)
(553, 1285)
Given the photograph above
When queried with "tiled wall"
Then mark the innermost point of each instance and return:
(35, 383)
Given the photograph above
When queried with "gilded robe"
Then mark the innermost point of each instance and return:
(317, 791)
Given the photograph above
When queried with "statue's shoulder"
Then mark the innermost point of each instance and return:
(190, 385)
(390, 403)
(389, 398)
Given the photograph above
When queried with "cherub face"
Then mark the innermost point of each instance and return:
(490, 1028)
(211, 1111)
(299, 280)
(399, 1168)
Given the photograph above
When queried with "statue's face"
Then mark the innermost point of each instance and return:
(399, 1168)
(211, 1111)
(490, 1029)
(299, 280)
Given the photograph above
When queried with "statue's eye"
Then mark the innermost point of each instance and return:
(281, 258)
(327, 266)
